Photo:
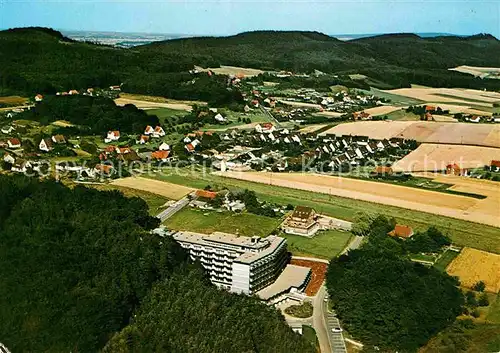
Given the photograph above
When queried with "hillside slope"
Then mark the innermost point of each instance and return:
(42, 60)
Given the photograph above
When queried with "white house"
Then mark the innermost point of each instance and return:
(220, 118)
(164, 147)
(7, 129)
(45, 145)
(187, 139)
(158, 132)
(112, 136)
(8, 158)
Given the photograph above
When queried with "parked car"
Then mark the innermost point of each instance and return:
(336, 329)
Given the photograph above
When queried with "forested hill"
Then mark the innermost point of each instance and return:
(40, 60)
(397, 59)
(79, 272)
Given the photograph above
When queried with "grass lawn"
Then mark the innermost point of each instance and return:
(303, 311)
(462, 233)
(325, 245)
(420, 257)
(445, 260)
(203, 221)
(493, 314)
(164, 114)
(477, 339)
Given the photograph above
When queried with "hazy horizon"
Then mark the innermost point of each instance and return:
(224, 18)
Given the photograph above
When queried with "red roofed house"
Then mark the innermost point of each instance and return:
(382, 170)
(38, 98)
(160, 155)
(255, 103)
(143, 139)
(428, 117)
(158, 132)
(495, 166)
(73, 91)
(110, 149)
(205, 194)
(103, 169)
(190, 148)
(361, 116)
(14, 143)
(264, 127)
(454, 169)
(149, 130)
(430, 108)
(123, 150)
(112, 136)
(401, 231)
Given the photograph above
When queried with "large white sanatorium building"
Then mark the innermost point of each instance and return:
(240, 264)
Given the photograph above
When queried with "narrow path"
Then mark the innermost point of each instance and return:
(174, 208)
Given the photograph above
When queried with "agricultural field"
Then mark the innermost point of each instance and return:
(11, 101)
(381, 110)
(153, 102)
(474, 265)
(168, 190)
(312, 128)
(487, 135)
(472, 99)
(435, 157)
(207, 222)
(324, 245)
(482, 72)
(232, 70)
(462, 233)
(455, 206)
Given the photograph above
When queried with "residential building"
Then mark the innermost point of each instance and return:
(14, 143)
(239, 264)
(38, 98)
(302, 221)
(112, 136)
(45, 145)
(401, 231)
(495, 166)
(160, 155)
(265, 128)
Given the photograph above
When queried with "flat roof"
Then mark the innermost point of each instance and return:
(293, 276)
(218, 237)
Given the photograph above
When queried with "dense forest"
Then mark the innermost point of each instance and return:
(78, 266)
(212, 321)
(94, 115)
(40, 60)
(387, 301)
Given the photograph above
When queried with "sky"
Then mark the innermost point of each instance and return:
(209, 17)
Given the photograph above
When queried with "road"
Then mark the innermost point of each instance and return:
(353, 244)
(266, 112)
(173, 209)
(319, 321)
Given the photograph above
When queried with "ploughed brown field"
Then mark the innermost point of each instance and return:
(485, 211)
(487, 135)
(474, 265)
(435, 157)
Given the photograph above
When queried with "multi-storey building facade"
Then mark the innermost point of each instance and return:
(240, 264)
